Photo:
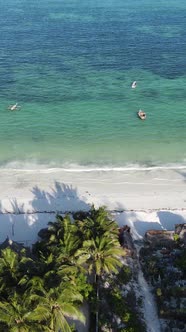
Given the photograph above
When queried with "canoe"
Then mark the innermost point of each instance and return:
(142, 115)
(134, 84)
(14, 107)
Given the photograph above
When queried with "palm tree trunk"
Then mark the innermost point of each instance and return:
(52, 323)
(97, 303)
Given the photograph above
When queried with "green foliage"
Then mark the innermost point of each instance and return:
(124, 275)
(15, 313)
(69, 265)
(116, 305)
(100, 255)
(176, 237)
(83, 286)
(181, 262)
(15, 269)
(159, 292)
(97, 224)
(53, 306)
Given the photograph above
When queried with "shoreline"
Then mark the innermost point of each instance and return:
(77, 168)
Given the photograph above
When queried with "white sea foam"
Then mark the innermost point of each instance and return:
(75, 168)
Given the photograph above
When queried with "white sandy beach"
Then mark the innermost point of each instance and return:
(142, 198)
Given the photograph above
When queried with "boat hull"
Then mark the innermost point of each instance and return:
(142, 115)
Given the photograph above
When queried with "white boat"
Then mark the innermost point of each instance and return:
(142, 115)
(14, 107)
(134, 84)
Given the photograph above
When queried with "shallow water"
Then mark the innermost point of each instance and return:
(70, 65)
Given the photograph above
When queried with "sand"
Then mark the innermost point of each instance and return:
(153, 198)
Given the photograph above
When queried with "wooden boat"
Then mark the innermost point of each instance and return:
(142, 115)
(134, 84)
(14, 107)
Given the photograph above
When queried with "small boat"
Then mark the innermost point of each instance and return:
(142, 115)
(14, 107)
(134, 84)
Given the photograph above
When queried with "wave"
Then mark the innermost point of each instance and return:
(77, 168)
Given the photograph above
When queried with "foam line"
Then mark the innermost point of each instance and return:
(95, 169)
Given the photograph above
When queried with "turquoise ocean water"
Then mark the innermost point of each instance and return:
(70, 65)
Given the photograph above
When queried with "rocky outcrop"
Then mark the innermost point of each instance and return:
(126, 241)
(165, 238)
(159, 237)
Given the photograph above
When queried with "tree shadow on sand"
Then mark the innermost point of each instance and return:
(62, 198)
(168, 219)
(23, 224)
(135, 222)
(138, 223)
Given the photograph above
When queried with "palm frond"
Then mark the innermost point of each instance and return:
(40, 313)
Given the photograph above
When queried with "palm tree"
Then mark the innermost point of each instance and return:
(56, 305)
(98, 223)
(60, 237)
(13, 268)
(15, 313)
(69, 241)
(58, 228)
(100, 256)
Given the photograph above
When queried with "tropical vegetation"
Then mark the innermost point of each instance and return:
(45, 288)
